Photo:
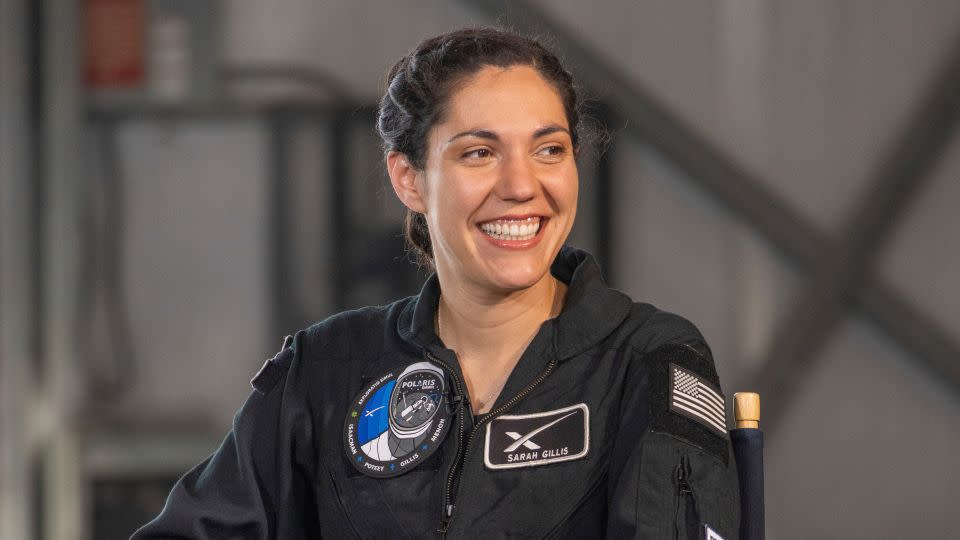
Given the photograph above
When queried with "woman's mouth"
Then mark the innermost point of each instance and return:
(512, 230)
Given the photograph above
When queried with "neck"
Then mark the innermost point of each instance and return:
(492, 326)
(489, 330)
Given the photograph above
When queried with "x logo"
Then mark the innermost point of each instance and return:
(525, 440)
(526, 443)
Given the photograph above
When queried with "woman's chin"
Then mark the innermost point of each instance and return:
(515, 270)
(516, 280)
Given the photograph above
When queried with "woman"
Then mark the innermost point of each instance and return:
(516, 395)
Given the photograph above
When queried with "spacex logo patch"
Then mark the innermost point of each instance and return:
(527, 440)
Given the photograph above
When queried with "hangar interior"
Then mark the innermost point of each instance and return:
(784, 174)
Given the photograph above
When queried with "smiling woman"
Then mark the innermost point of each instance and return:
(498, 195)
(517, 394)
(499, 185)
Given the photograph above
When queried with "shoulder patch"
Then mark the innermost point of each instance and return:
(695, 398)
(273, 369)
(685, 398)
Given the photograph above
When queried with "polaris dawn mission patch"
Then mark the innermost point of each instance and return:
(397, 421)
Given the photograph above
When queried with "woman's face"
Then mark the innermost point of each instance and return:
(499, 187)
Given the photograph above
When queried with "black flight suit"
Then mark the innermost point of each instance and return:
(603, 444)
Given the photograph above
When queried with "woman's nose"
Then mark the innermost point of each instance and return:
(518, 180)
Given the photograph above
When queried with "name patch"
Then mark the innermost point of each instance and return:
(528, 440)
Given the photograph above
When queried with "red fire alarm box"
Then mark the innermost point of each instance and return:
(115, 44)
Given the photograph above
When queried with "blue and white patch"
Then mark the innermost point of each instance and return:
(397, 421)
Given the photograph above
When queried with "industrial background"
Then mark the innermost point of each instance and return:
(183, 182)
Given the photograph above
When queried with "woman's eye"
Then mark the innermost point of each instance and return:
(478, 153)
(553, 150)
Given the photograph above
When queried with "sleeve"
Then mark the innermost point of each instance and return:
(250, 487)
(672, 468)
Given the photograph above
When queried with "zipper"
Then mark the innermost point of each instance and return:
(458, 399)
(453, 487)
(686, 503)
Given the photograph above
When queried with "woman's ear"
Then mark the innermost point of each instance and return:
(403, 177)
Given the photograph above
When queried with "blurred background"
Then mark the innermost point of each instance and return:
(184, 182)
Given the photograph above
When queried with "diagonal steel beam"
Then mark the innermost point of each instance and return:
(744, 195)
(657, 126)
(897, 180)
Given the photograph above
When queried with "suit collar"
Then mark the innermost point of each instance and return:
(591, 312)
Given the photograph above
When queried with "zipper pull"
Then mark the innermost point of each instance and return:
(682, 476)
(453, 403)
(445, 523)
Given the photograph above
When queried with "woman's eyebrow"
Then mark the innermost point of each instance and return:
(487, 134)
(480, 133)
(547, 130)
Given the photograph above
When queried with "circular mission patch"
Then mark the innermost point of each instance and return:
(397, 421)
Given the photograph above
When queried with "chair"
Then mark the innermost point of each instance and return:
(747, 440)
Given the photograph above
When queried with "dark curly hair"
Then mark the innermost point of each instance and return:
(420, 84)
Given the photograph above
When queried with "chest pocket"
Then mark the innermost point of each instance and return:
(406, 506)
(684, 493)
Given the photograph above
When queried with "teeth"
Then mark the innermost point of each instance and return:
(512, 230)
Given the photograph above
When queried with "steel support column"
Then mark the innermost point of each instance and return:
(18, 313)
(62, 389)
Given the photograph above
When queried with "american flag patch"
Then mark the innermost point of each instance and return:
(692, 397)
